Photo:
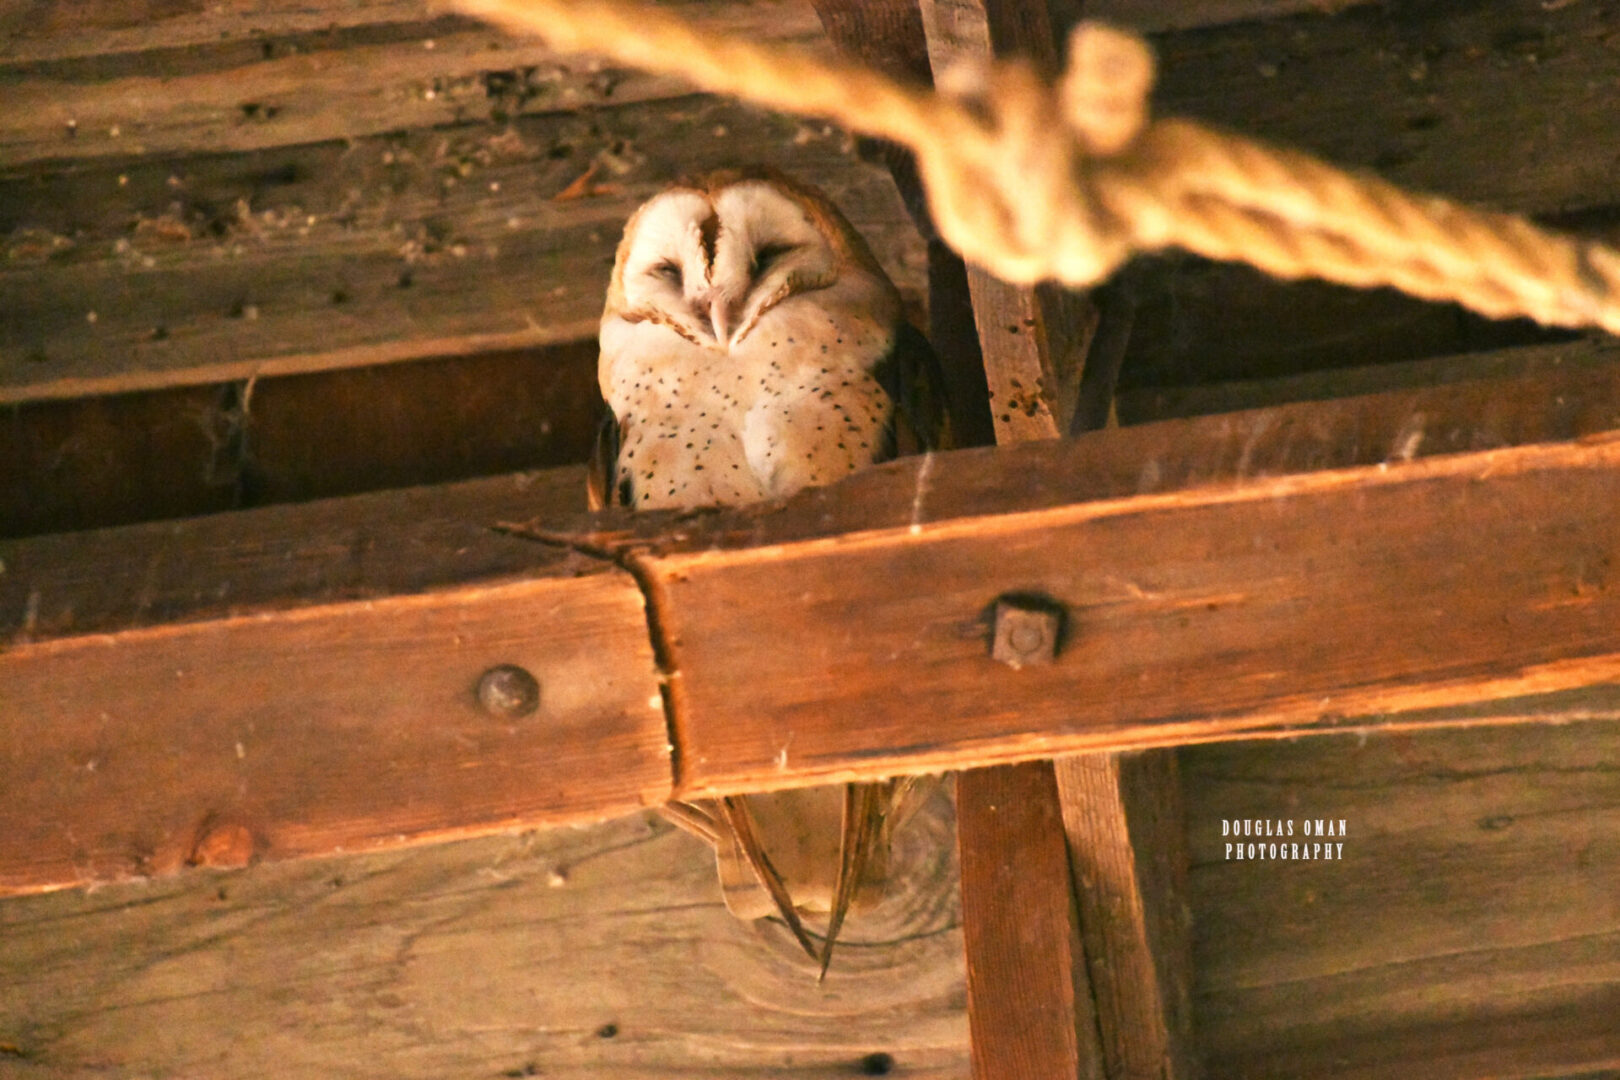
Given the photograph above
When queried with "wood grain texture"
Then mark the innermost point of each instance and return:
(367, 547)
(126, 458)
(222, 691)
(1122, 816)
(344, 728)
(1335, 572)
(1489, 102)
(82, 88)
(1386, 582)
(1033, 341)
(1030, 1010)
(594, 952)
(1471, 928)
(1147, 404)
(1030, 1001)
(159, 271)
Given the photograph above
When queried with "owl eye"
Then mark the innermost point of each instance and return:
(765, 256)
(669, 270)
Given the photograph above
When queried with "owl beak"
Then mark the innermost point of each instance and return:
(720, 320)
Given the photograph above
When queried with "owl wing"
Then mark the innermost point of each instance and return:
(912, 377)
(602, 488)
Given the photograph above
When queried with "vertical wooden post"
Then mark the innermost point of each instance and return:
(1127, 851)
(888, 35)
(1034, 341)
(1038, 865)
(1030, 1011)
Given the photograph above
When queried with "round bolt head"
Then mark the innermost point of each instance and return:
(508, 692)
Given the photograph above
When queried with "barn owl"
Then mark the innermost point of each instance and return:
(751, 346)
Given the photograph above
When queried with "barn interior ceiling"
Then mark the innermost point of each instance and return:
(257, 254)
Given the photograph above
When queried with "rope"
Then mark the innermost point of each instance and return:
(1033, 181)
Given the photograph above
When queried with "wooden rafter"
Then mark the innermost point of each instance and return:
(1292, 569)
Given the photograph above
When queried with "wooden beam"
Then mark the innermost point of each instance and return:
(1274, 571)
(1025, 1019)
(1029, 1015)
(1033, 340)
(101, 84)
(1310, 567)
(1148, 404)
(1127, 847)
(326, 723)
(85, 463)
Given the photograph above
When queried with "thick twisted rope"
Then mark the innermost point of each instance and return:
(1033, 181)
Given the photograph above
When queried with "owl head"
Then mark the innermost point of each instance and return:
(709, 257)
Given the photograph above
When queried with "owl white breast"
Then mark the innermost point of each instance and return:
(746, 328)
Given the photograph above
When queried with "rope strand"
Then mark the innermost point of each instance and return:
(1033, 181)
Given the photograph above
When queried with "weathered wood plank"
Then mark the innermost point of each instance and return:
(152, 272)
(1030, 1010)
(1490, 102)
(1033, 340)
(1208, 323)
(1300, 568)
(1031, 1003)
(396, 543)
(1279, 602)
(1127, 846)
(126, 458)
(1148, 404)
(295, 719)
(79, 88)
(598, 952)
(1469, 930)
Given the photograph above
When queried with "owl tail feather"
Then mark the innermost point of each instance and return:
(865, 807)
(862, 816)
(735, 813)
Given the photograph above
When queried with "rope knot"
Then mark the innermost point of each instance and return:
(1023, 207)
(1105, 89)
(1033, 181)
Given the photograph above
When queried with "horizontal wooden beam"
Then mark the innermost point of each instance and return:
(305, 675)
(121, 459)
(303, 682)
(1265, 572)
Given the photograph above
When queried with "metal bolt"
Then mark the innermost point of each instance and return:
(1026, 631)
(508, 692)
(222, 845)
